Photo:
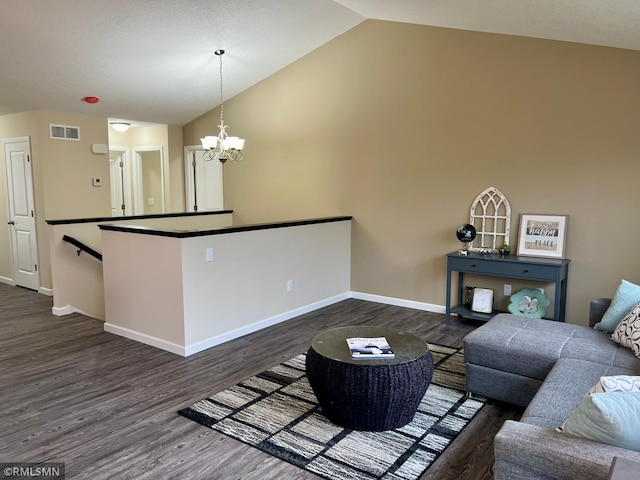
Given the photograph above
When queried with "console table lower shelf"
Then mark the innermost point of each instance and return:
(465, 312)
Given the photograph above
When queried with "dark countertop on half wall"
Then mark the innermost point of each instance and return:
(164, 232)
(134, 217)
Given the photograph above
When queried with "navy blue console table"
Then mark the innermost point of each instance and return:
(548, 270)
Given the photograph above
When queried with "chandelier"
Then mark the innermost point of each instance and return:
(223, 147)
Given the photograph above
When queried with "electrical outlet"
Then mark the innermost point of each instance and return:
(507, 290)
(209, 254)
(289, 285)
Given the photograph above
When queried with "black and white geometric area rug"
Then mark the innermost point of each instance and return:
(277, 412)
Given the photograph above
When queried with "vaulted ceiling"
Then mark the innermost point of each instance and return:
(153, 61)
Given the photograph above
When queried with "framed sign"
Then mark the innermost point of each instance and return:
(542, 235)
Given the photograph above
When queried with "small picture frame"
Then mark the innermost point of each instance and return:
(542, 235)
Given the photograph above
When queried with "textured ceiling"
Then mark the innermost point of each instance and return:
(611, 23)
(153, 61)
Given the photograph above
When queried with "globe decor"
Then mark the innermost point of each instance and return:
(465, 233)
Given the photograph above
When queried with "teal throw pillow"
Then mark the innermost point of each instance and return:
(612, 418)
(626, 297)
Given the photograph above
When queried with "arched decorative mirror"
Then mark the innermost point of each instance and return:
(491, 216)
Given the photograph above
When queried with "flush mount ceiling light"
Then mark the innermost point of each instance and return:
(223, 147)
(120, 126)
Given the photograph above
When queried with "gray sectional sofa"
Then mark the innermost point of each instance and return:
(548, 367)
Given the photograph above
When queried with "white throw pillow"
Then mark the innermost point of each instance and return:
(627, 333)
(617, 383)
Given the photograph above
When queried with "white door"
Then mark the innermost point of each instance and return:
(204, 182)
(120, 182)
(116, 173)
(119, 174)
(22, 220)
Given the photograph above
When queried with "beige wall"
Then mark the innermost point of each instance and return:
(169, 137)
(403, 125)
(152, 182)
(153, 136)
(79, 286)
(174, 193)
(143, 286)
(246, 282)
(67, 167)
(63, 170)
(162, 291)
(77, 277)
(62, 174)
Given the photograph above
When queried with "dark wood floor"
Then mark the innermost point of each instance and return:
(106, 406)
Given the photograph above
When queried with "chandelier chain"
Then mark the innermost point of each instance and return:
(221, 95)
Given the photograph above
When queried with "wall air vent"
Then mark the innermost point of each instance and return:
(64, 132)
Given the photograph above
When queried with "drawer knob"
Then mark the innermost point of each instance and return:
(525, 271)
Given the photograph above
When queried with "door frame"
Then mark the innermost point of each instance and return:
(138, 198)
(31, 189)
(124, 152)
(188, 176)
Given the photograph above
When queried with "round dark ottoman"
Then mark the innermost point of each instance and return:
(374, 394)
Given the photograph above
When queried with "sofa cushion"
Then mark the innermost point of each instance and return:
(530, 347)
(518, 345)
(612, 418)
(566, 385)
(627, 333)
(595, 346)
(627, 295)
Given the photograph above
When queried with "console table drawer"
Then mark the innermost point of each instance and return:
(504, 268)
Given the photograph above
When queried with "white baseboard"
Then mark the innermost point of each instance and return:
(146, 339)
(8, 281)
(188, 350)
(61, 311)
(69, 309)
(399, 302)
(185, 351)
(267, 322)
